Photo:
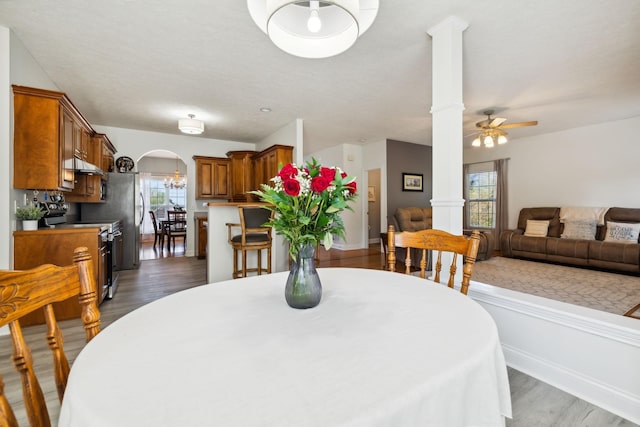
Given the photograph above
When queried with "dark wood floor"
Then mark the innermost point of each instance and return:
(162, 273)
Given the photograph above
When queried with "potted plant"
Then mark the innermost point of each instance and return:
(29, 215)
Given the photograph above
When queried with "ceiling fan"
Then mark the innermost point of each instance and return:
(491, 130)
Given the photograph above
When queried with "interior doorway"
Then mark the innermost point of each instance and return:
(373, 205)
(164, 187)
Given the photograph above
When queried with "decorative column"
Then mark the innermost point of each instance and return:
(446, 109)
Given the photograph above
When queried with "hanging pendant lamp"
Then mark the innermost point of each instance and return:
(313, 29)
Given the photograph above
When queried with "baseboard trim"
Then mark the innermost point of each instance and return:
(586, 388)
(588, 353)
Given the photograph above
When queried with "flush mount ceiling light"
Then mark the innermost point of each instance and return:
(313, 29)
(191, 126)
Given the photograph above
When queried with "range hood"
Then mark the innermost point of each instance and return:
(86, 168)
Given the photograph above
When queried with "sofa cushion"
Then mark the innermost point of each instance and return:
(622, 232)
(551, 214)
(575, 251)
(536, 228)
(580, 229)
(614, 255)
(531, 245)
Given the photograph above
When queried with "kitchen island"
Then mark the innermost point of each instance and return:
(219, 251)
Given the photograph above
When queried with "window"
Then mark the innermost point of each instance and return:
(481, 198)
(160, 198)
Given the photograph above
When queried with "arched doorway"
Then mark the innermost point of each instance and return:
(163, 185)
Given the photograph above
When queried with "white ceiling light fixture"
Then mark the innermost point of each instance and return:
(191, 125)
(313, 29)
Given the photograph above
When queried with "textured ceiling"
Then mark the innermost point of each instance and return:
(143, 64)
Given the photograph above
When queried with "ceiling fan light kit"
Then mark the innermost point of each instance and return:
(313, 29)
(192, 126)
(491, 130)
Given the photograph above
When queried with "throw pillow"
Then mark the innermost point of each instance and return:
(536, 228)
(585, 230)
(622, 232)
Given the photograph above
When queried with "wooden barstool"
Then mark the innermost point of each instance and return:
(254, 236)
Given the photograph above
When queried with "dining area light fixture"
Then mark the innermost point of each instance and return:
(191, 125)
(490, 137)
(313, 28)
(176, 181)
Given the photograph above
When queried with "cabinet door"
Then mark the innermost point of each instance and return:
(221, 179)
(204, 179)
(212, 178)
(67, 148)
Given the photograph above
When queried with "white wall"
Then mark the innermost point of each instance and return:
(349, 158)
(17, 66)
(290, 134)
(374, 156)
(594, 165)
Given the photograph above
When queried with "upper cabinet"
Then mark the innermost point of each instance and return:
(267, 163)
(49, 132)
(233, 177)
(242, 172)
(212, 177)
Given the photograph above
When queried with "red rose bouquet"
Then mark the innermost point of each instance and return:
(307, 201)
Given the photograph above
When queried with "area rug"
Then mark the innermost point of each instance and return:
(610, 292)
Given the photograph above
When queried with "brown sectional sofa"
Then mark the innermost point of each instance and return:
(621, 257)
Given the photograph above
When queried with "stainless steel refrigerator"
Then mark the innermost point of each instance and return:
(124, 202)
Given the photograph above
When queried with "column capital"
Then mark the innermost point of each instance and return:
(449, 22)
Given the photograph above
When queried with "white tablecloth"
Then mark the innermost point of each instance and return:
(381, 349)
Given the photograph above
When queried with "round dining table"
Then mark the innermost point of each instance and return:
(381, 349)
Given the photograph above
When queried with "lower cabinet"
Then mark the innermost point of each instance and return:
(56, 246)
(201, 237)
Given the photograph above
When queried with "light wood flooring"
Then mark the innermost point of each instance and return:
(162, 273)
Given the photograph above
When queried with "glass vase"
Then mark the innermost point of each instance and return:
(303, 289)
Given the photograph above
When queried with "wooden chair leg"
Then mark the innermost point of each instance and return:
(244, 263)
(269, 260)
(259, 262)
(235, 263)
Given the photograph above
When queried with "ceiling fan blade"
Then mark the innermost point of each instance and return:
(497, 122)
(482, 124)
(519, 125)
(470, 134)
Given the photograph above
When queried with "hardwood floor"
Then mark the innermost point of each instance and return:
(534, 402)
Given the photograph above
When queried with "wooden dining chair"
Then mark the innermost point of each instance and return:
(22, 292)
(438, 241)
(158, 231)
(253, 237)
(176, 226)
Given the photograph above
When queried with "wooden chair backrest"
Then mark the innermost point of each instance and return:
(252, 218)
(154, 221)
(177, 221)
(438, 241)
(22, 292)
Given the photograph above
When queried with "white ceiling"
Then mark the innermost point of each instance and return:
(143, 64)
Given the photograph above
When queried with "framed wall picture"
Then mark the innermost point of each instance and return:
(412, 181)
(371, 193)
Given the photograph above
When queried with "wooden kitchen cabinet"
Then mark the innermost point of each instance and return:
(212, 177)
(242, 172)
(201, 236)
(56, 246)
(107, 154)
(45, 126)
(267, 163)
(88, 188)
